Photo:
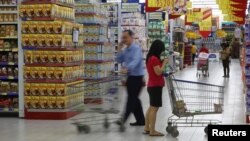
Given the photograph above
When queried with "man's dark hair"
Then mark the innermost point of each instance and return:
(130, 32)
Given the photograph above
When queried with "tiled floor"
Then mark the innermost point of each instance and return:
(12, 129)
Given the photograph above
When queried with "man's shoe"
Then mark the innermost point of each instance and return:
(137, 124)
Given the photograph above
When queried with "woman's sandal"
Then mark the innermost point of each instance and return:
(156, 134)
(146, 132)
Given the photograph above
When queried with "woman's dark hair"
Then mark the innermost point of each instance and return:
(156, 49)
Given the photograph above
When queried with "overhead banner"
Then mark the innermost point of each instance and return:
(233, 10)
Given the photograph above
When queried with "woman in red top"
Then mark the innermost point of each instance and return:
(155, 68)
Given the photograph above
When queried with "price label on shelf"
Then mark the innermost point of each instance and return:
(11, 63)
(10, 77)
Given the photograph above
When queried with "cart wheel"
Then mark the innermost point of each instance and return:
(122, 128)
(83, 128)
(206, 129)
(175, 133)
(106, 124)
(169, 129)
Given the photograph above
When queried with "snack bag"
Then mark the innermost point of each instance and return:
(43, 89)
(45, 57)
(62, 102)
(27, 90)
(27, 73)
(26, 42)
(59, 73)
(42, 27)
(33, 27)
(25, 27)
(34, 72)
(57, 27)
(61, 57)
(28, 58)
(52, 102)
(34, 102)
(61, 89)
(37, 56)
(47, 10)
(51, 89)
(43, 102)
(34, 87)
(27, 102)
(42, 73)
(52, 56)
(50, 73)
(41, 39)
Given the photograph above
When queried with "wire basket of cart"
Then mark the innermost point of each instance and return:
(189, 99)
(101, 103)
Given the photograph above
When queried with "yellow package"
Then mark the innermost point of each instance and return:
(43, 89)
(57, 27)
(27, 90)
(28, 59)
(61, 89)
(34, 72)
(61, 57)
(50, 40)
(34, 102)
(37, 56)
(52, 102)
(25, 40)
(45, 57)
(33, 27)
(27, 102)
(62, 102)
(52, 56)
(41, 39)
(42, 73)
(58, 40)
(39, 10)
(50, 73)
(27, 73)
(41, 27)
(25, 27)
(47, 10)
(34, 88)
(51, 89)
(59, 73)
(43, 102)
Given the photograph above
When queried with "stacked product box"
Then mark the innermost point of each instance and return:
(99, 52)
(246, 72)
(53, 62)
(136, 23)
(9, 30)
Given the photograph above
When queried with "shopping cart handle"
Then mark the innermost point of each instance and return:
(167, 74)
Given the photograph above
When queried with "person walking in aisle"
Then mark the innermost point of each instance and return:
(155, 68)
(225, 57)
(132, 57)
(193, 50)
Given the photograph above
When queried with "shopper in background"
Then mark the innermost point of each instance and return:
(203, 49)
(225, 57)
(193, 50)
(130, 54)
(155, 68)
(235, 45)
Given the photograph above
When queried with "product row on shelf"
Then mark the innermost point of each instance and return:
(9, 57)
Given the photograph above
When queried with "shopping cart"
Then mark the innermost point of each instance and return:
(102, 105)
(189, 99)
(203, 65)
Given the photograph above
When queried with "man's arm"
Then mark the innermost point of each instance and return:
(120, 54)
(137, 56)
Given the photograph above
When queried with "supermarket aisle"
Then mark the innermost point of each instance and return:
(34, 130)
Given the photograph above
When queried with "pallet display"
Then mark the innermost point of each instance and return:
(99, 52)
(9, 29)
(53, 59)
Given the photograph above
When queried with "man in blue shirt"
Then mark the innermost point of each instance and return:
(132, 58)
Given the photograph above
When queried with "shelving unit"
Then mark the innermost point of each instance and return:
(53, 61)
(246, 70)
(99, 51)
(9, 30)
